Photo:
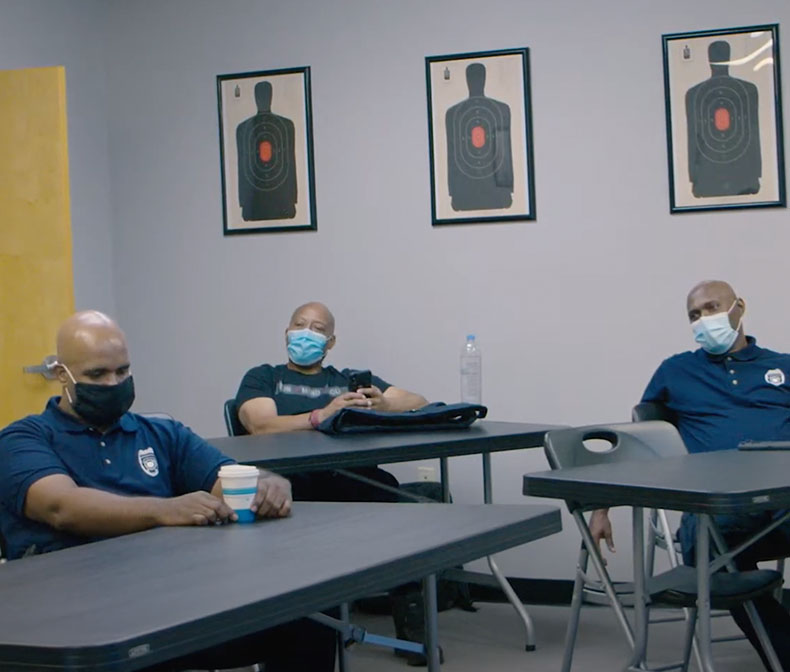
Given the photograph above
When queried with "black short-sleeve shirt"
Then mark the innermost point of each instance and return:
(294, 392)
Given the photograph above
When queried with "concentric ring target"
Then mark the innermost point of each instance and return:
(266, 175)
(475, 128)
(722, 126)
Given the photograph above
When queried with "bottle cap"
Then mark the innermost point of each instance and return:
(470, 337)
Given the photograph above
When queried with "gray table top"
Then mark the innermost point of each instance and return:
(129, 602)
(716, 483)
(309, 451)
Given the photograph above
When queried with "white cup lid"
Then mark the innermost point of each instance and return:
(237, 470)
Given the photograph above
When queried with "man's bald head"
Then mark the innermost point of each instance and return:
(709, 297)
(313, 315)
(84, 333)
(93, 347)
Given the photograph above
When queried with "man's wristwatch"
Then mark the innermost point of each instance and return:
(314, 419)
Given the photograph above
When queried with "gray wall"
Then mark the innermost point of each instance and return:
(573, 311)
(37, 33)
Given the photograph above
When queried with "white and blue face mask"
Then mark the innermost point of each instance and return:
(305, 346)
(714, 333)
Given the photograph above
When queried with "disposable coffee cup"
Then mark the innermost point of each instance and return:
(239, 485)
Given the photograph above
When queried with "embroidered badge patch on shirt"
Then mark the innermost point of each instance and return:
(775, 377)
(147, 460)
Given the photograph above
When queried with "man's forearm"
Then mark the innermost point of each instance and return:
(405, 401)
(94, 513)
(281, 423)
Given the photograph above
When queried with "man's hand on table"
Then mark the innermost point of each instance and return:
(376, 398)
(344, 401)
(195, 508)
(273, 499)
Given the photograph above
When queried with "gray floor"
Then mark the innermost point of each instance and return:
(491, 639)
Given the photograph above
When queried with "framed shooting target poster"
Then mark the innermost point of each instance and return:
(480, 137)
(724, 119)
(266, 151)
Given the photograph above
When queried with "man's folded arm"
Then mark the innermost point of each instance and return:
(402, 400)
(259, 416)
(59, 502)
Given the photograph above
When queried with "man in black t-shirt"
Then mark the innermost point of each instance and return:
(303, 393)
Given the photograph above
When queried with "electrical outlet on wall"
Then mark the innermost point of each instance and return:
(426, 473)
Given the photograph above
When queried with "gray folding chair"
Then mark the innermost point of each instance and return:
(644, 441)
(232, 422)
(653, 410)
(659, 533)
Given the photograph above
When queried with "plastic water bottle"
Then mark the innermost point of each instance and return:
(471, 372)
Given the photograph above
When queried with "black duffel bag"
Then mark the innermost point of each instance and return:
(438, 415)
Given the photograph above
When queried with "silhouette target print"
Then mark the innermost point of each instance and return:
(723, 131)
(479, 154)
(266, 162)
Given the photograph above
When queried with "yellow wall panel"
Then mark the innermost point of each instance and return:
(36, 281)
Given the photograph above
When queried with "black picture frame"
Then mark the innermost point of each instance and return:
(266, 151)
(723, 97)
(480, 137)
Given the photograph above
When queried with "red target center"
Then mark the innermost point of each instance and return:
(478, 137)
(721, 119)
(265, 151)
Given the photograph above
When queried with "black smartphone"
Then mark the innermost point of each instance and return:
(359, 379)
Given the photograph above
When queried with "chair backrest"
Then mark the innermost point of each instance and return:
(653, 410)
(628, 441)
(232, 422)
(158, 415)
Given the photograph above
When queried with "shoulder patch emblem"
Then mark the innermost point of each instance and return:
(775, 377)
(147, 460)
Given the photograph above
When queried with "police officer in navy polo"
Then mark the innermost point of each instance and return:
(727, 391)
(86, 469)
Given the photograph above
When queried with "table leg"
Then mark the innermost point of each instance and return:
(529, 627)
(342, 653)
(638, 659)
(444, 477)
(431, 623)
(488, 490)
(751, 611)
(703, 592)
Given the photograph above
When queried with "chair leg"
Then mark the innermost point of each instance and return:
(650, 556)
(780, 567)
(600, 568)
(690, 640)
(576, 607)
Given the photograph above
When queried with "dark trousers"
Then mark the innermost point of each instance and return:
(330, 486)
(298, 646)
(736, 529)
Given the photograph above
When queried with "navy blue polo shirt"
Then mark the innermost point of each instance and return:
(137, 456)
(721, 400)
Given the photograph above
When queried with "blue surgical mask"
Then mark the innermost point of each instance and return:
(714, 333)
(305, 346)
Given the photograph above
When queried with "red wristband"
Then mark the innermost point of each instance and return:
(314, 419)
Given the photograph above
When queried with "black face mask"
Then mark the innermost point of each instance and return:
(102, 405)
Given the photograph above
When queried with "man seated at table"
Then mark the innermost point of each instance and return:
(725, 392)
(86, 469)
(302, 393)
